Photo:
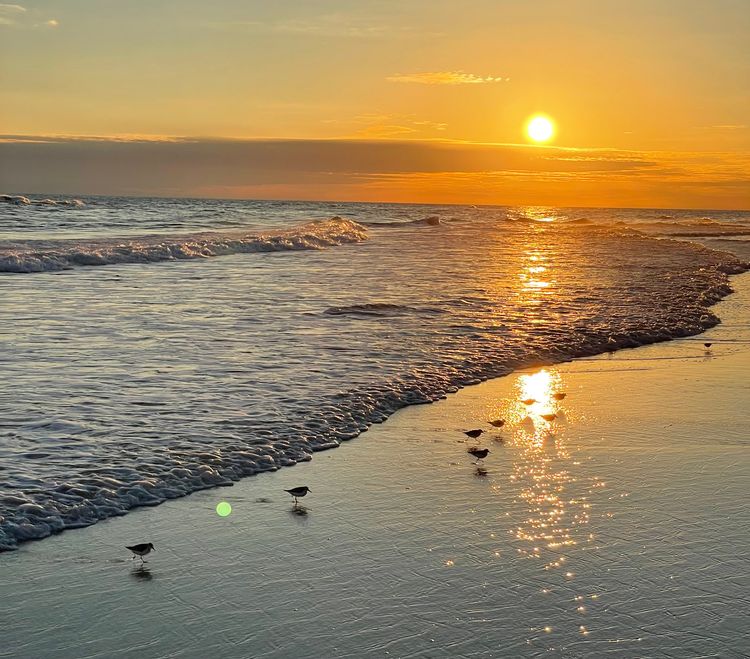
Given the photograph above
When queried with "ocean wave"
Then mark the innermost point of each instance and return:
(45, 256)
(431, 221)
(379, 309)
(20, 200)
(124, 425)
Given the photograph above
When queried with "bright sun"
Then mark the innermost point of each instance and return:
(540, 128)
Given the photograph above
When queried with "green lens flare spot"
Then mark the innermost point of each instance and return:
(223, 509)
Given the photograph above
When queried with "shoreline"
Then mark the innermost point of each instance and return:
(413, 394)
(408, 550)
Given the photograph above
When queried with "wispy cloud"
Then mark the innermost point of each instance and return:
(445, 78)
(727, 127)
(374, 125)
(17, 16)
(10, 13)
(330, 25)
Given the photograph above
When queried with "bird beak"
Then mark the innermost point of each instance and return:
(309, 490)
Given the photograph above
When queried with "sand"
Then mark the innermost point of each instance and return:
(620, 528)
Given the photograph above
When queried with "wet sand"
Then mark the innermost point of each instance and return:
(620, 528)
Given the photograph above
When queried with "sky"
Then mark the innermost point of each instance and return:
(383, 100)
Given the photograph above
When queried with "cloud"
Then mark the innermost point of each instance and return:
(374, 125)
(330, 25)
(18, 17)
(435, 171)
(445, 78)
(9, 13)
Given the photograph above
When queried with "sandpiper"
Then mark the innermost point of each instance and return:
(498, 423)
(559, 395)
(473, 433)
(529, 401)
(707, 345)
(549, 417)
(298, 492)
(478, 453)
(141, 550)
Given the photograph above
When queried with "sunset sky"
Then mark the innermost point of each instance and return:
(384, 100)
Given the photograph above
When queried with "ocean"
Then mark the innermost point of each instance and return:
(154, 347)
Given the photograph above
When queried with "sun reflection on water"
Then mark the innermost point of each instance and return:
(555, 515)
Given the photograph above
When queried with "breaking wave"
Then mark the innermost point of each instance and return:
(45, 256)
(20, 200)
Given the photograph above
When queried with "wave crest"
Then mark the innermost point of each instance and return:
(46, 256)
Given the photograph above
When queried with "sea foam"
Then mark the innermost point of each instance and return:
(45, 256)
(120, 392)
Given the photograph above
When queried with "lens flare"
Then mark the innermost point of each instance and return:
(223, 509)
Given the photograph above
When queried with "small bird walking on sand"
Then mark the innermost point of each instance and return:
(141, 550)
(707, 345)
(298, 492)
(474, 434)
(478, 453)
(549, 417)
(559, 395)
(529, 401)
(498, 423)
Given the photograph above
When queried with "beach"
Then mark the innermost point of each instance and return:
(620, 528)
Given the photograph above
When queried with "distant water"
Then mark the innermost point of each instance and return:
(138, 367)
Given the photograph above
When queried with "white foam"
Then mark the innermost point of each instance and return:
(45, 256)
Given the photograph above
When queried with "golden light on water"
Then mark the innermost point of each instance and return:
(540, 128)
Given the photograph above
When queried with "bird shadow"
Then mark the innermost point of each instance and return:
(141, 573)
(298, 510)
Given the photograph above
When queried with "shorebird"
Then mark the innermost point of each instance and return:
(498, 423)
(708, 345)
(298, 492)
(529, 401)
(549, 417)
(478, 453)
(559, 395)
(474, 434)
(141, 550)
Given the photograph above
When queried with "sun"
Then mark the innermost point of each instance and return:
(540, 128)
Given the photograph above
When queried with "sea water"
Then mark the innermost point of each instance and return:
(154, 347)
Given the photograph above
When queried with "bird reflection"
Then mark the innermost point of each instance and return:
(141, 573)
(298, 510)
(480, 472)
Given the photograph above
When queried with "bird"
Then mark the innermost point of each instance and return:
(529, 401)
(478, 453)
(141, 550)
(474, 434)
(549, 417)
(498, 423)
(559, 395)
(298, 492)
(708, 345)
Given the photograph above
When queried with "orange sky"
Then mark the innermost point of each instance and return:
(393, 101)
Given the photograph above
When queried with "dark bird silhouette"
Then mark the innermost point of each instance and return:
(529, 401)
(474, 434)
(708, 345)
(498, 423)
(141, 550)
(478, 453)
(298, 492)
(559, 395)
